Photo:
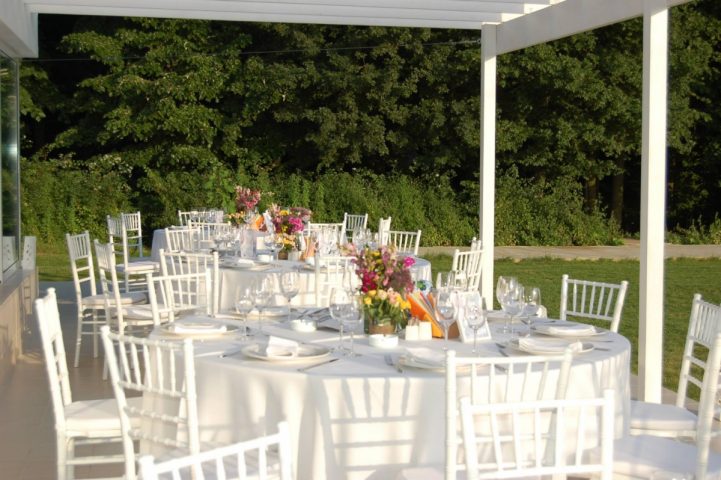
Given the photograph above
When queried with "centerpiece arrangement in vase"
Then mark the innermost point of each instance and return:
(385, 280)
(288, 223)
(246, 201)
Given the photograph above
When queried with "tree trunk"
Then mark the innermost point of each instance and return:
(617, 194)
(591, 193)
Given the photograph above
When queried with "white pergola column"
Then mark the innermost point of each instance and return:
(488, 158)
(653, 199)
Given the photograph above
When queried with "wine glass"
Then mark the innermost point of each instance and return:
(262, 294)
(271, 241)
(244, 302)
(339, 303)
(446, 309)
(289, 286)
(475, 316)
(511, 305)
(503, 287)
(531, 304)
(444, 280)
(353, 319)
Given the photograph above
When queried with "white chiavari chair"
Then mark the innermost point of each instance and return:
(352, 222)
(163, 372)
(123, 239)
(489, 380)
(529, 439)
(466, 267)
(593, 300)
(181, 239)
(405, 242)
(80, 422)
(89, 302)
(650, 456)
(678, 420)
(207, 233)
(268, 456)
(199, 292)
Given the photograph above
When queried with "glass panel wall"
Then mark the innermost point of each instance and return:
(10, 164)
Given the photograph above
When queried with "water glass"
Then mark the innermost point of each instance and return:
(475, 316)
(289, 286)
(353, 319)
(446, 310)
(262, 295)
(531, 304)
(244, 302)
(504, 286)
(339, 304)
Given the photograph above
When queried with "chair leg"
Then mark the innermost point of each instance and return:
(95, 333)
(79, 335)
(61, 451)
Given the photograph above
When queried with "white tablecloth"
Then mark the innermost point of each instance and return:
(359, 417)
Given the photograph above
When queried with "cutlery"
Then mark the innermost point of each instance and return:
(305, 369)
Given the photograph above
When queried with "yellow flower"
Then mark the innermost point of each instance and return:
(372, 293)
(367, 300)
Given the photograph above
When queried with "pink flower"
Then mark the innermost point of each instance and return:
(408, 262)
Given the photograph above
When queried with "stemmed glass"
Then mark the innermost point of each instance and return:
(504, 286)
(271, 242)
(243, 305)
(339, 304)
(531, 304)
(446, 309)
(475, 316)
(262, 294)
(353, 319)
(289, 286)
(444, 280)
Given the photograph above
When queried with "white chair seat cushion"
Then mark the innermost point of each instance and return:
(141, 266)
(640, 456)
(129, 298)
(656, 416)
(99, 417)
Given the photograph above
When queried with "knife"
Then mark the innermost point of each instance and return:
(305, 369)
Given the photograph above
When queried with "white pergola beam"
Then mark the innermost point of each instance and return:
(487, 179)
(568, 18)
(18, 29)
(653, 199)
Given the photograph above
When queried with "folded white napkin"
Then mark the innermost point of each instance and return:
(547, 345)
(281, 347)
(569, 329)
(199, 328)
(426, 356)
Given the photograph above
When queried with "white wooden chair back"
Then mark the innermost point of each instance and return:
(517, 436)
(332, 271)
(51, 336)
(115, 234)
(185, 216)
(181, 239)
(467, 267)
(352, 221)
(109, 283)
(708, 409)
(405, 242)
(189, 263)
(704, 325)
(499, 380)
(81, 264)
(593, 300)
(132, 235)
(164, 373)
(208, 232)
(264, 457)
(384, 226)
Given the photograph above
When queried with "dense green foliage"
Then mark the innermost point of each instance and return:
(383, 120)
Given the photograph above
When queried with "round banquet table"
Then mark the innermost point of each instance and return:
(361, 417)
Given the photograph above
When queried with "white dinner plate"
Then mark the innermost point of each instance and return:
(567, 330)
(269, 312)
(306, 352)
(198, 329)
(585, 347)
(241, 263)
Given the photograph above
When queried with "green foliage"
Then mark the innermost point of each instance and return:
(697, 233)
(543, 213)
(62, 196)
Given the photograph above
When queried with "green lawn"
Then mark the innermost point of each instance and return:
(684, 277)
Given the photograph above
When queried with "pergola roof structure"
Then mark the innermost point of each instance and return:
(506, 25)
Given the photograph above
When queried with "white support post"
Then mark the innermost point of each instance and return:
(653, 199)
(488, 158)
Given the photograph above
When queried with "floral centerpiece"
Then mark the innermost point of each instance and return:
(385, 279)
(246, 199)
(288, 223)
